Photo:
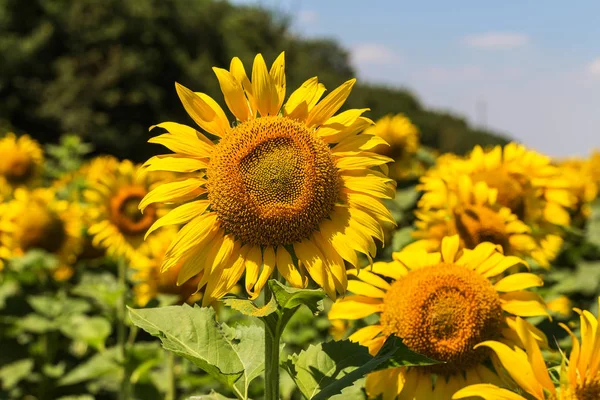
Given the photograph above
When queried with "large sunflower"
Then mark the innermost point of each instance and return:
(150, 282)
(116, 224)
(441, 305)
(472, 212)
(38, 220)
(290, 187)
(524, 181)
(403, 138)
(21, 160)
(580, 376)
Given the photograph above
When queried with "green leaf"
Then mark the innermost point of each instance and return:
(325, 369)
(58, 306)
(36, 324)
(248, 308)
(105, 364)
(212, 396)
(102, 288)
(7, 289)
(290, 298)
(91, 330)
(12, 374)
(593, 225)
(229, 355)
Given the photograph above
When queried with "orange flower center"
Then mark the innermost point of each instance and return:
(510, 190)
(124, 212)
(478, 224)
(19, 168)
(442, 311)
(40, 228)
(272, 181)
(589, 390)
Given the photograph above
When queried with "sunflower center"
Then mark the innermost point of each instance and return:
(478, 224)
(124, 212)
(42, 229)
(19, 168)
(588, 390)
(510, 190)
(271, 181)
(442, 311)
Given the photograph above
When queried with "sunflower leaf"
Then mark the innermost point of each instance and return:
(233, 356)
(290, 298)
(247, 307)
(325, 369)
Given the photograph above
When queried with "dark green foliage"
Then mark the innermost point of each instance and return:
(106, 68)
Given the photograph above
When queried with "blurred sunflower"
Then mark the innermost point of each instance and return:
(38, 220)
(149, 281)
(579, 377)
(290, 187)
(472, 212)
(584, 181)
(441, 305)
(116, 224)
(522, 181)
(403, 139)
(21, 161)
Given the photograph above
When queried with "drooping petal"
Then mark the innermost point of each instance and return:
(204, 111)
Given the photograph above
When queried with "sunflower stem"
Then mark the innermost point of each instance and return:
(121, 328)
(171, 376)
(272, 336)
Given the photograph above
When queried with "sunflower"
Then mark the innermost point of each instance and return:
(525, 182)
(38, 220)
(403, 139)
(21, 160)
(580, 376)
(472, 212)
(584, 181)
(441, 305)
(290, 187)
(149, 281)
(115, 221)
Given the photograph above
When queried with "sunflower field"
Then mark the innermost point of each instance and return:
(283, 241)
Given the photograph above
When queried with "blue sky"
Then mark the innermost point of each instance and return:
(529, 69)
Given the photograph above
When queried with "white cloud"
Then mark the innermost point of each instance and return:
(307, 17)
(496, 40)
(373, 53)
(594, 67)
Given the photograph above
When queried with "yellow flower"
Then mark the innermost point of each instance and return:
(580, 377)
(535, 192)
(149, 281)
(116, 223)
(291, 186)
(21, 160)
(441, 305)
(38, 220)
(472, 212)
(584, 181)
(403, 139)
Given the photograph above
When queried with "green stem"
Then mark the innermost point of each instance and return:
(121, 328)
(171, 376)
(271, 363)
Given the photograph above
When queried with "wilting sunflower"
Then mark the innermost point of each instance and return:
(116, 223)
(472, 212)
(290, 187)
(21, 160)
(38, 220)
(150, 282)
(580, 376)
(441, 305)
(525, 182)
(403, 139)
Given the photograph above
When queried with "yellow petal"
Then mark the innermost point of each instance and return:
(371, 205)
(364, 289)
(237, 69)
(173, 191)
(187, 145)
(203, 110)
(303, 99)
(366, 333)
(534, 355)
(269, 261)
(277, 73)
(253, 264)
(174, 164)
(189, 238)
(519, 281)
(365, 160)
(234, 94)
(183, 131)
(336, 124)
(355, 307)
(487, 392)
(180, 215)
(327, 107)
(287, 269)
(523, 304)
(312, 259)
(450, 247)
(262, 86)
